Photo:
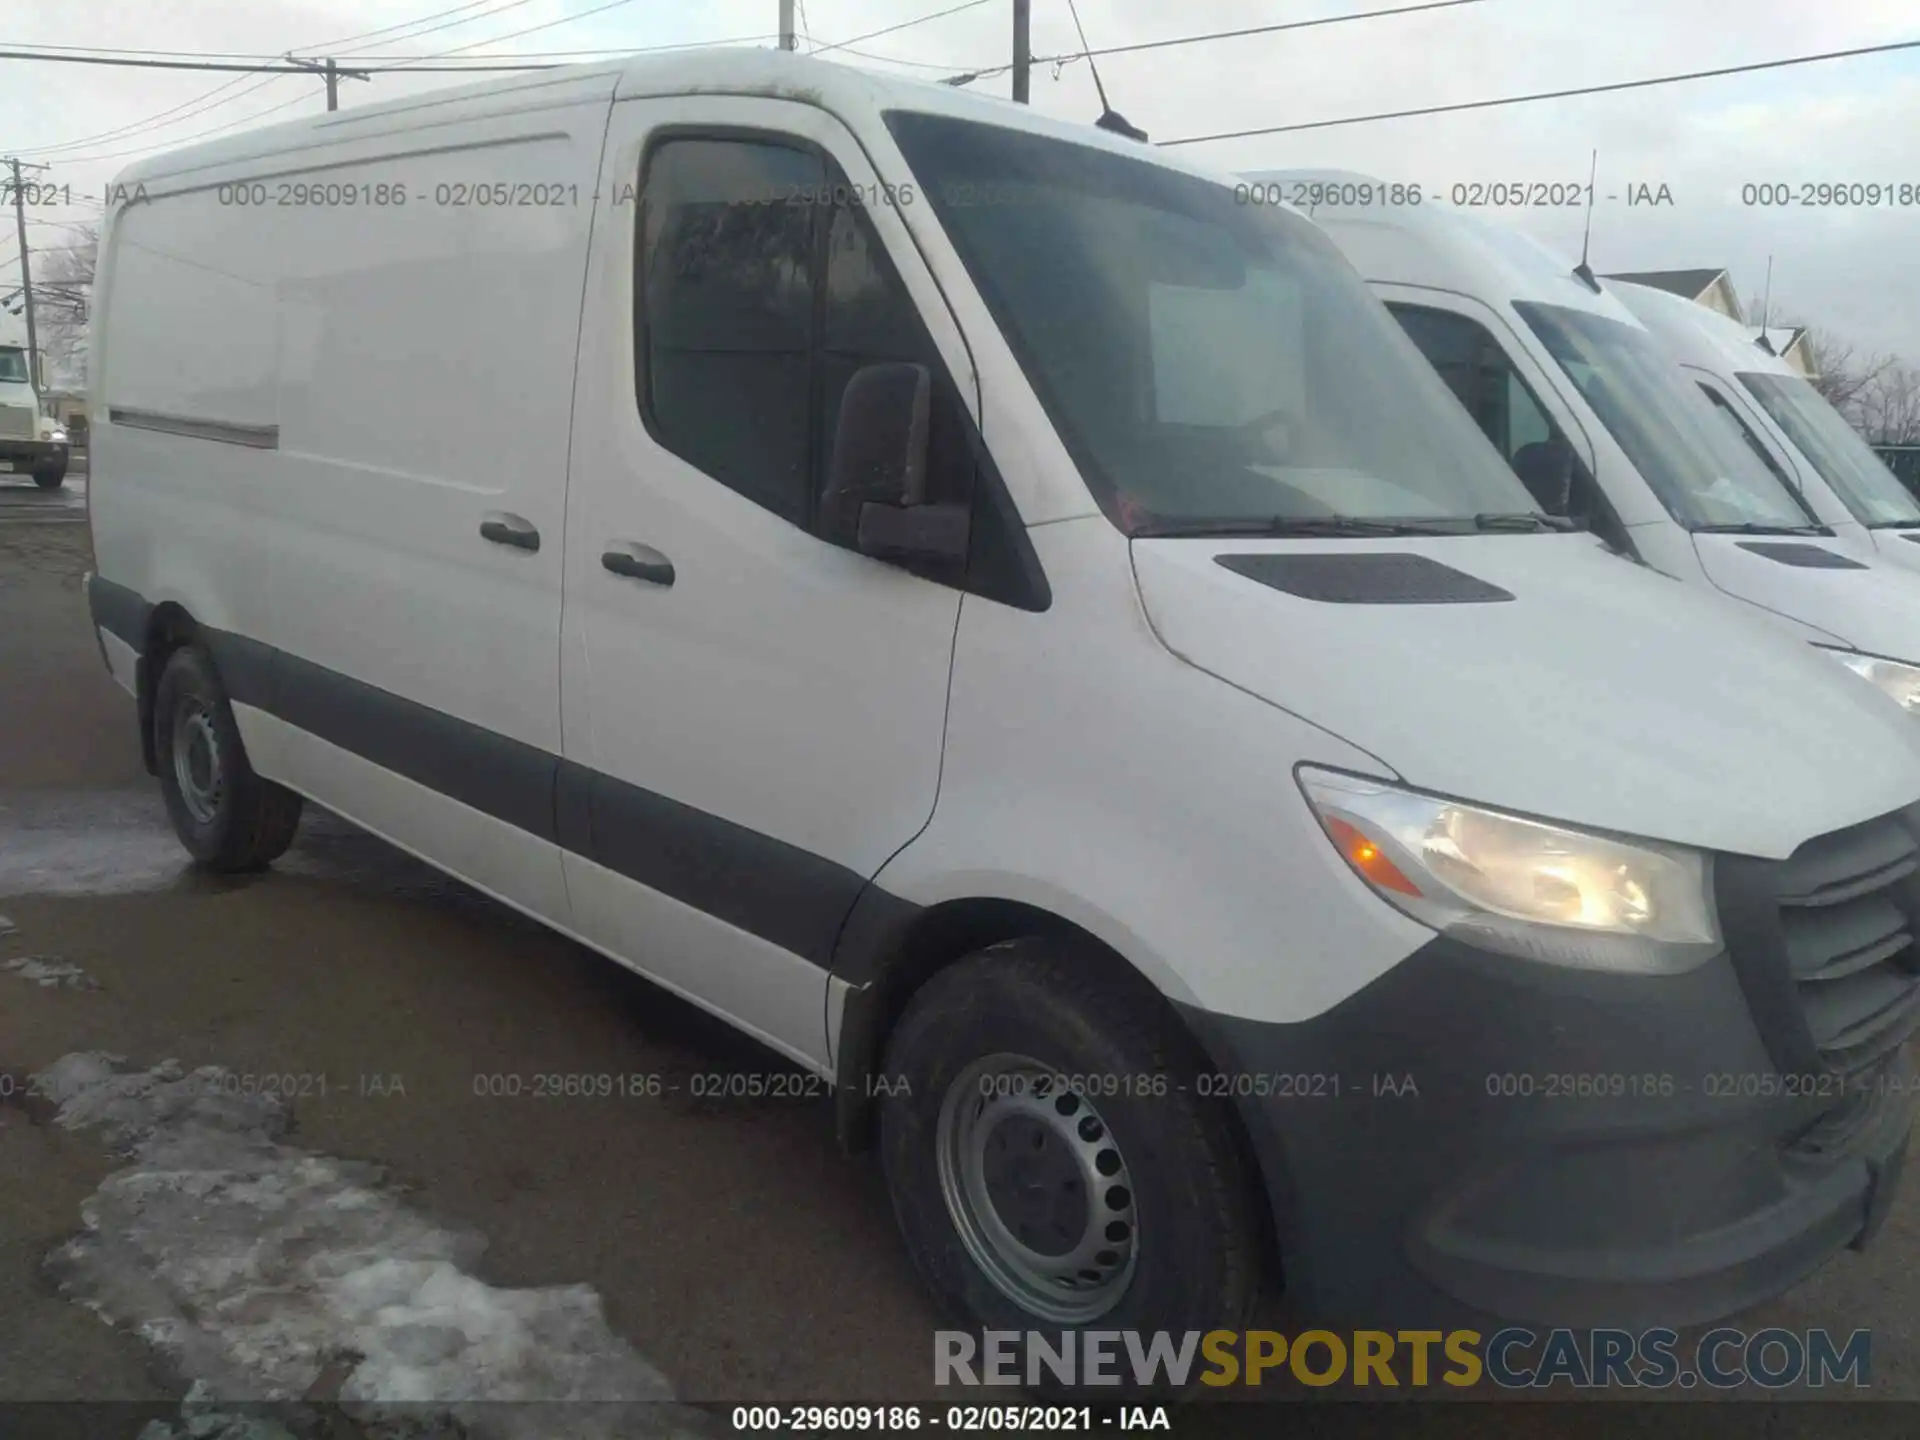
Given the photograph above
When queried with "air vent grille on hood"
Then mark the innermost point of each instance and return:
(1805, 557)
(1365, 578)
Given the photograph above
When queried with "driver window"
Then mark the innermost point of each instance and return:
(1483, 378)
(1741, 428)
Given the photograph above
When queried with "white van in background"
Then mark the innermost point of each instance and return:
(1026, 637)
(1594, 416)
(1787, 422)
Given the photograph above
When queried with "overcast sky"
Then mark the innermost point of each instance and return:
(1855, 272)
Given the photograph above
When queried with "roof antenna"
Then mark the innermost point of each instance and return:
(1766, 311)
(1583, 272)
(1110, 119)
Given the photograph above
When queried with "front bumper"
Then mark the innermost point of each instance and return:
(31, 454)
(1476, 1138)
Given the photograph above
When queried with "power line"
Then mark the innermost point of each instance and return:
(1241, 34)
(262, 68)
(398, 25)
(186, 139)
(904, 24)
(531, 29)
(431, 29)
(1617, 85)
(185, 110)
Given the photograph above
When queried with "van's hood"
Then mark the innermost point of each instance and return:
(1900, 546)
(1872, 605)
(1601, 694)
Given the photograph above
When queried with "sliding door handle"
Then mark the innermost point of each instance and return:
(637, 562)
(503, 528)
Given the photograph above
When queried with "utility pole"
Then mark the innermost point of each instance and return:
(331, 72)
(1022, 49)
(14, 164)
(787, 41)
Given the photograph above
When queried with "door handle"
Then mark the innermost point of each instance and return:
(503, 528)
(637, 562)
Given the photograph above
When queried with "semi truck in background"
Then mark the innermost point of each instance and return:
(31, 442)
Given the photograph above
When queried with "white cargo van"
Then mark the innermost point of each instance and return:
(1787, 422)
(1028, 638)
(1593, 415)
(32, 442)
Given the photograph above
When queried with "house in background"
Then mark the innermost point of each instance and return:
(1715, 290)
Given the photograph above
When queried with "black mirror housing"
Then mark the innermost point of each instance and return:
(876, 493)
(923, 534)
(879, 442)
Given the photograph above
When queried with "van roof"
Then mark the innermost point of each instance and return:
(1434, 245)
(843, 90)
(1697, 334)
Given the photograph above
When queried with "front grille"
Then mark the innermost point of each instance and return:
(16, 422)
(1848, 906)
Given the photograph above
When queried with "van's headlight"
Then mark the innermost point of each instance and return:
(1522, 887)
(1902, 682)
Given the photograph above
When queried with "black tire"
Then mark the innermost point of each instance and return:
(51, 477)
(1196, 1257)
(235, 821)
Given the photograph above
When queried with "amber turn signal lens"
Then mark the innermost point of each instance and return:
(1365, 857)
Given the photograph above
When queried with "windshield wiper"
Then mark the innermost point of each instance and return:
(1300, 525)
(1749, 527)
(1913, 524)
(1526, 520)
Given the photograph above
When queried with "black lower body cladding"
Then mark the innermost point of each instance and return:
(1474, 1136)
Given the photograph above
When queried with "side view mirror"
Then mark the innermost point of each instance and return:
(876, 488)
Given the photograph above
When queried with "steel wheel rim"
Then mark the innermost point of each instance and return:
(1037, 1189)
(198, 771)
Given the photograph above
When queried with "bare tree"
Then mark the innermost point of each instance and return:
(62, 290)
(1841, 371)
(1888, 407)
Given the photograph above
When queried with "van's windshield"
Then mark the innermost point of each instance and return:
(1696, 464)
(1211, 366)
(13, 367)
(1832, 446)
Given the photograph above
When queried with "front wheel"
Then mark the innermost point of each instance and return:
(51, 475)
(229, 818)
(1050, 1164)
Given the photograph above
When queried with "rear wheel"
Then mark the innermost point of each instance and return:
(227, 816)
(1050, 1164)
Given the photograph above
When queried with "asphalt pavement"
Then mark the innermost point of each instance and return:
(723, 1247)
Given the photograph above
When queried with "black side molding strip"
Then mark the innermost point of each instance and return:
(119, 611)
(782, 893)
(225, 432)
(786, 895)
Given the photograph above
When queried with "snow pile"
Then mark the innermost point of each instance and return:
(269, 1274)
(47, 972)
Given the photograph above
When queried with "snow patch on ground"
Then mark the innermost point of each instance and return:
(270, 1274)
(86, 845)
(47, 972)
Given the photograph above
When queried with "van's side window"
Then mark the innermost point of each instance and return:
(1740, 427)
(1479, 371)
(727, 313)
(763, 291)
